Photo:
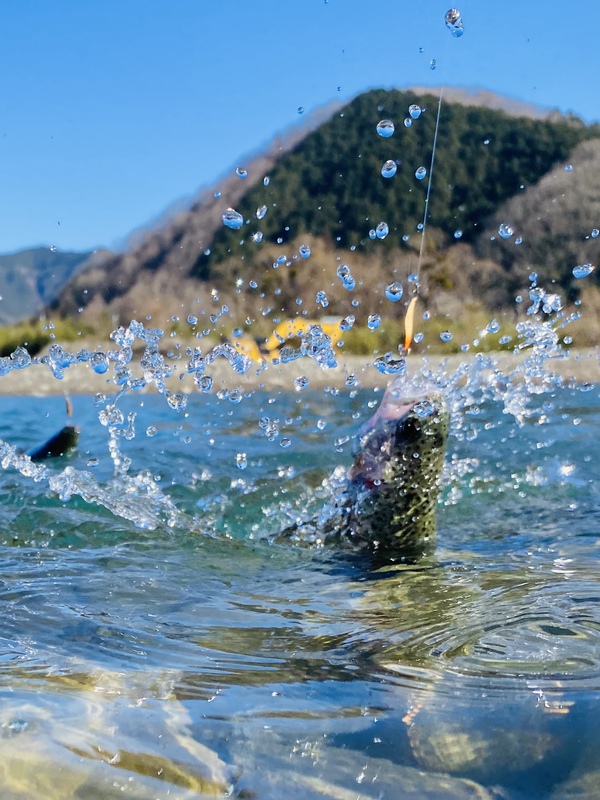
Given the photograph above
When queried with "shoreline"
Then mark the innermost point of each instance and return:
(37, 380)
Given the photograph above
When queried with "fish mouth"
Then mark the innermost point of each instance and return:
(402, 416)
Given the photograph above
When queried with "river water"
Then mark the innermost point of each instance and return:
(206, 657)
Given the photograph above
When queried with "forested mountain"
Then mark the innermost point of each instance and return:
(31, 279)
(328, 189)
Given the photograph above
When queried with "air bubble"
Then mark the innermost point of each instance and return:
(394, 291)
(389, 169)
(385, 128)
(233, 219)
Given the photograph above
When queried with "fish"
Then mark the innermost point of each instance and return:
(388, 505)
(60, 444)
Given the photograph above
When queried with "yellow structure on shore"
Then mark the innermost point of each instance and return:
(284, 333)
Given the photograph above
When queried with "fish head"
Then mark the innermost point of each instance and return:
(406, 435)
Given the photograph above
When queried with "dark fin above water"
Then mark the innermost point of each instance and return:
(61, 443)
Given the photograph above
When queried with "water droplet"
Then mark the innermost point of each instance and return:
(53, 248)
(504, 339)
(257, 237)
(432, 64)
(99, 363)
(413, 278)
(233, 219)
(583, 270)
(415, 111)
(519, 240)
(420, 226)
(389, 365)
(394, 291)
(151, 430)
(454, 23)
(347, 322)
(343, 271)
(241, 172)
(301, 109)
(241, 460)
(382, 230)
(418, 337)
(493, 326)
(281, 259)
(205, 383)
(321, 298)
(407, 122)
(446, 336)
(176, 400)
(595, 233)
(266, 180)
(420, 173)
(385, 128)
(192, 319)
(304, 251)
(569, 168)
(389, 169)
(260, 212)
(373, 322)
(372, 234)
(216, 195)
(458, 234)
(285, 442)
(424, 409)
(505, 231)
(486, 141)
(301, 383)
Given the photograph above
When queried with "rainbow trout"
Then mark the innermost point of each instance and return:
(389, 502)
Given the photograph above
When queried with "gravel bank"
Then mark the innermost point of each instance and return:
(37, 380)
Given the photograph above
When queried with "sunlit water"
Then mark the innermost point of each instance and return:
(206, 657)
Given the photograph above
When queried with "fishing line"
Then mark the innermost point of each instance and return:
(410, 311)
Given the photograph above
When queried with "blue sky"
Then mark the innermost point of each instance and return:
(110, 111)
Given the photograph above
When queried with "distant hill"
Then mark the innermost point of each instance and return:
(31, 279)
(556, 223)
(326, 187)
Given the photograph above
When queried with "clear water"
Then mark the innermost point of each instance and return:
(202, 657)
